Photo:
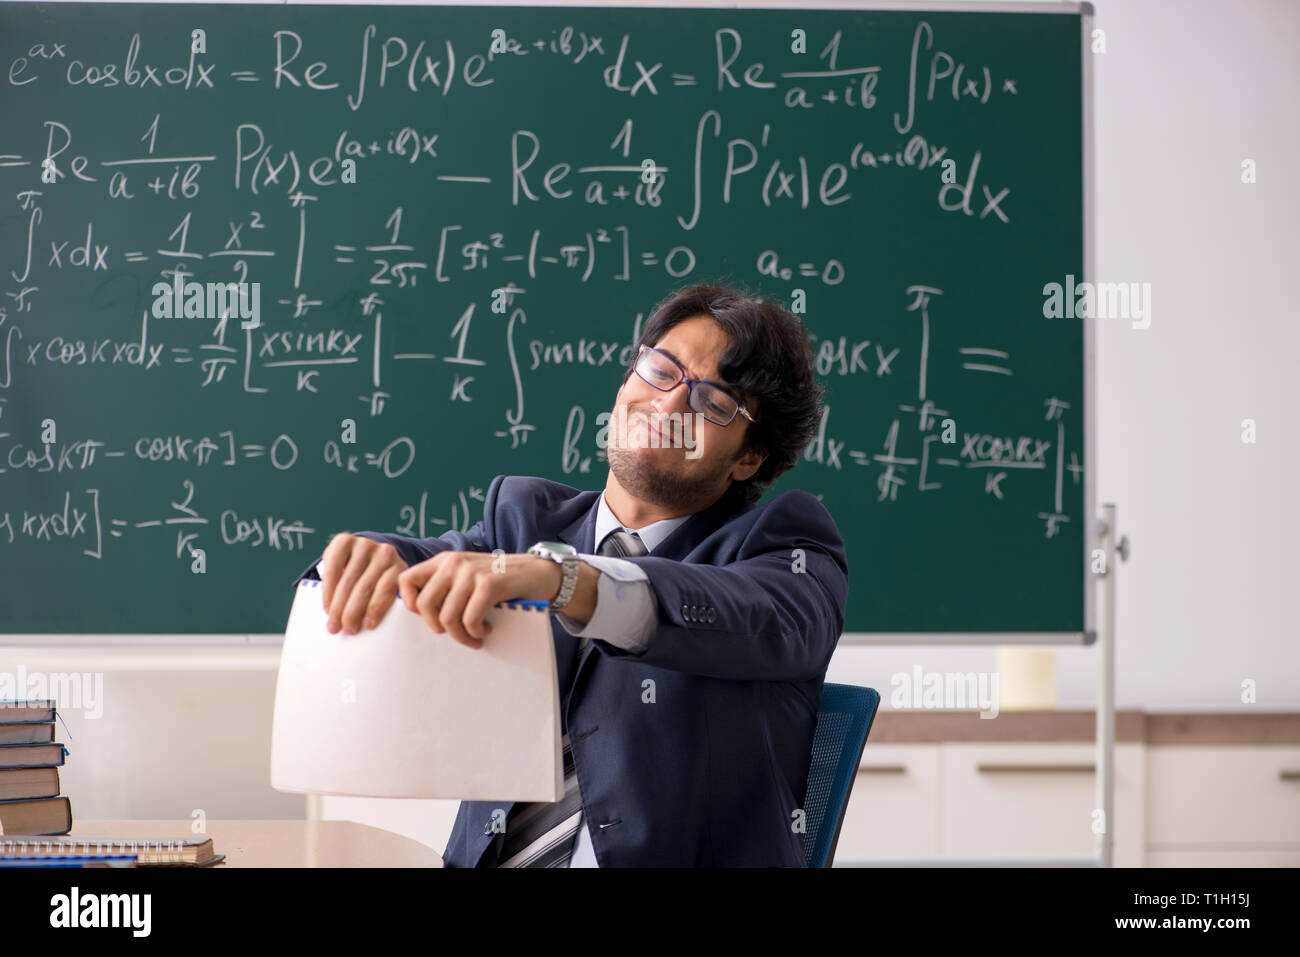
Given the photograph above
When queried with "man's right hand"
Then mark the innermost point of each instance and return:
(359, 579)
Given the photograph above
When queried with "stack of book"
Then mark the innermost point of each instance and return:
(32, 812)
(30, 759)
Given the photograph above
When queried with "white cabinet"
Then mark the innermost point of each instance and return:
(1037, 800)
(988, 800)
(1235, 803)
(1222, 805)
(894, 807)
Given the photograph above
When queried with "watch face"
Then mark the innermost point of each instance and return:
(559, 547)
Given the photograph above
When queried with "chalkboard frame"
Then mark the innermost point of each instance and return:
(1092, 527)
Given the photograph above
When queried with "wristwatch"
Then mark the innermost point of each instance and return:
(566, 556)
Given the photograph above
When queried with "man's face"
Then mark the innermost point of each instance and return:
(650, 467)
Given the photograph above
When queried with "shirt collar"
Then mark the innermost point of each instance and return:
(651, 535)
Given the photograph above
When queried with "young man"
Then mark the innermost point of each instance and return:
(692, 626)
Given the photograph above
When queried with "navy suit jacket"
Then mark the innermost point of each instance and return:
(750, 603)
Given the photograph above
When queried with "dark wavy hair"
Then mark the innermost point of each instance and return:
(769, 359)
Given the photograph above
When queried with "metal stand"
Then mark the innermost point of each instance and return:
(1110, 551)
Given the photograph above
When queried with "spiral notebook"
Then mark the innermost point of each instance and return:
(400, 710)
(192, 852)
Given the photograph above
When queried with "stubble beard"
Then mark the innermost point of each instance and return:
(664, 485)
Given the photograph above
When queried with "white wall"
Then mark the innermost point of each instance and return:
(1185, 91)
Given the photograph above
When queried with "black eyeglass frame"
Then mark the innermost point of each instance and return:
(690, 386)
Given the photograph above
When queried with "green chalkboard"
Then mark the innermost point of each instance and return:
(910, 180)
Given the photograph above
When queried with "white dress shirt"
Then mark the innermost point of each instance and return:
(625, 613)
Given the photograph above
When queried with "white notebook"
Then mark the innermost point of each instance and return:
(402, 711)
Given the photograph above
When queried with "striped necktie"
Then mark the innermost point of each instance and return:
(622, 544)
(543, 833)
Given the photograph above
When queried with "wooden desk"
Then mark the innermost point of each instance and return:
(282, 843)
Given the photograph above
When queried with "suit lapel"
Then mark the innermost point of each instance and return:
(694, 530)
(581, 532)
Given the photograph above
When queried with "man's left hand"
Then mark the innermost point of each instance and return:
(452, 591)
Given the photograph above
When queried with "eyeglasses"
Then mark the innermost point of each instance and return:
(711, 401)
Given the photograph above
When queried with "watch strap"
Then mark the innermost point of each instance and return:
(568, 582)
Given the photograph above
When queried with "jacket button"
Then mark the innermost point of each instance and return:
(685, 614)
(713, 615)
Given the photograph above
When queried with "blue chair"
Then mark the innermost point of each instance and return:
(843, 721)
